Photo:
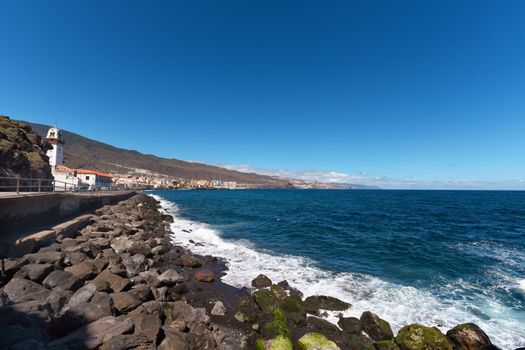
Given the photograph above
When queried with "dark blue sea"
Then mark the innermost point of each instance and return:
(434, 257)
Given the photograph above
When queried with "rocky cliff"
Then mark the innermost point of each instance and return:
(22, 151)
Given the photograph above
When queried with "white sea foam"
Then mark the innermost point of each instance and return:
(398, 304)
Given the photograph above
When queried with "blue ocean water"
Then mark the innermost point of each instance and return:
(434, 257)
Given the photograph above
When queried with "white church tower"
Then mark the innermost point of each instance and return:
(56, 155)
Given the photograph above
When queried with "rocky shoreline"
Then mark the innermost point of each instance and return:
(120, 283)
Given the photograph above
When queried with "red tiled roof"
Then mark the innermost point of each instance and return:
(85, 171)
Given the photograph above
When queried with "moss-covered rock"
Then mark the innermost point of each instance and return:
(375, 327)
(385, 345)
(277, 326)
(279, 292)
(294, 309)
(266, 301)
(278, 343)
(358, 342)
(419, 337)
(316, 341)
(312, 304)
(468, 336)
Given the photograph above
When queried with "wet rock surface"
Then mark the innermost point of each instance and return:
(119, 282)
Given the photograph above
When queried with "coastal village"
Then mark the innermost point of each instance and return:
(86, 179)
(133, 179)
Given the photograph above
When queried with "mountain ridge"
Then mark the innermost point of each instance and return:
(83, 152)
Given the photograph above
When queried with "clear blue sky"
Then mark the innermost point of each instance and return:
(409, 91)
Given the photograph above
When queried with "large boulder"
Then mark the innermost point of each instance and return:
(149, 325)
(419, 337)
(35, 272)
(83, 271)
(82, 295)
(124, 302)
(19, 288)
(351, 325)
(94, 334)
(293, 307)
(104, 301)
(265, 300)
(316, 341)
(314, 303)
(189, 261)
(62, 280)
(358, 341)
(277, 326)
(261, 281)
(375, 327)
(76, 315)
(185, 316)
(54, 258)
(121, 244)
(108, 279)
(468, 336)
(168, 278)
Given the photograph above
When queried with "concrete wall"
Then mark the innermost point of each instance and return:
(32, 211)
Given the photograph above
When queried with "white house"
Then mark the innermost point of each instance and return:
(94, 179)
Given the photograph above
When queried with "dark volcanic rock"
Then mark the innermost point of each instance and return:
(261, 281)
(83, 271)
(62, 280)
(94, 334)
(115, 282)
(19, 288)
(314, 303)
(35, 272)
(129, 341)
(351, 325)
(468, 336)
(54, 258)
(375, 327)
(125, 301)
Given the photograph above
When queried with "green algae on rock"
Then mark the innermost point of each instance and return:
(294, 309)
(358, 341)
(419, 337)
(277, 343)
(385, 345)
(265, 300)
(316, 341)
(277, 326)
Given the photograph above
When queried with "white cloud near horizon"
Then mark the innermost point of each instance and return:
(364, 178)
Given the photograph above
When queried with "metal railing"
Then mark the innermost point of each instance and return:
(22, 184)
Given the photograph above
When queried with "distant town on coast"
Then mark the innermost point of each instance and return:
(77, 163)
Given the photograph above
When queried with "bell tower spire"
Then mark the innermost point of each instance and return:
(56, 155)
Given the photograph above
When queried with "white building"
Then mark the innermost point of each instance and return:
(56, 155)
(68, 179)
